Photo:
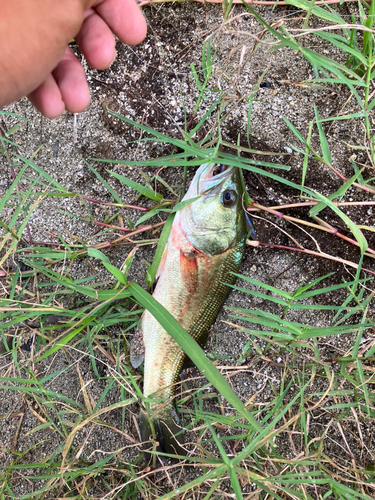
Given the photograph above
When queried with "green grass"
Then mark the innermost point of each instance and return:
(277, 449)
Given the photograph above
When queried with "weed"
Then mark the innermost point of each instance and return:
(278, 447)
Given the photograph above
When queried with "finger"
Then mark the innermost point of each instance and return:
(33, 37)
(96, 41)
(71, 80)
(125, 19)
(47, 98)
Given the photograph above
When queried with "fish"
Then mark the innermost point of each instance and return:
(205, 247)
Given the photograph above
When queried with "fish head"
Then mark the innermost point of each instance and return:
(216, 221)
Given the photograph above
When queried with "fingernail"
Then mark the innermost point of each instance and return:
(113, 60)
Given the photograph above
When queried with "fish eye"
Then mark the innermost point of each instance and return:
(229, 197)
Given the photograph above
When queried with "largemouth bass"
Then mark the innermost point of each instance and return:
(205, 247)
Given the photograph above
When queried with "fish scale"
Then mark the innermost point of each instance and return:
(205, 247)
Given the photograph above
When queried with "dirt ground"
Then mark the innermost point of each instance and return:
(152, 83)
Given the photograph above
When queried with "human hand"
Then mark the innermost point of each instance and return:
(38, 62)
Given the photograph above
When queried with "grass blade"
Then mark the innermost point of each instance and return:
(143, 190)
(192, 349)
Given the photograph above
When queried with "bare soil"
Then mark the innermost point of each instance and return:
(153, 84)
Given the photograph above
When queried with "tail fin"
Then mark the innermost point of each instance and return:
(165, 430)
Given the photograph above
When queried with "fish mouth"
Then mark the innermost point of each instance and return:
(212, 178)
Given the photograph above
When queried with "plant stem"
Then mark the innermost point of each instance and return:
(310, 252)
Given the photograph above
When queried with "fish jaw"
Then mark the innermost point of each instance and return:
(205, 180)
(209, 224)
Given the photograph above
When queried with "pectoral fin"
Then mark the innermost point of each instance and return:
(250, 228)
(189, 271)
(162, 262)
(137, 349)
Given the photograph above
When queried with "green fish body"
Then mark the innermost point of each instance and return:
(205, 247)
